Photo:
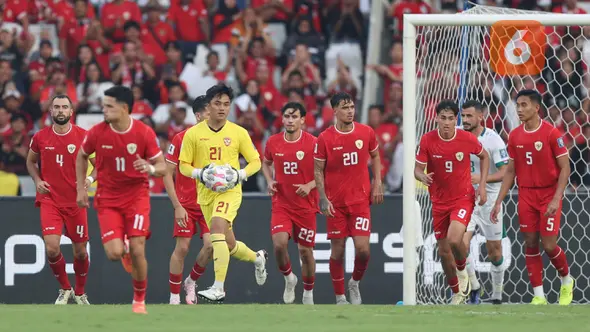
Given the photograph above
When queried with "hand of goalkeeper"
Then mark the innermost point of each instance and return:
(234, 176)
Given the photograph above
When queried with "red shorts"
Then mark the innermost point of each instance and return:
(532, 204)
(75, 220)
(303, 224)
(353, 220)
(195, 216)
(443, 214)
(131, 219)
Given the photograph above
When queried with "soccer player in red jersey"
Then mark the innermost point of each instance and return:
(125, 150)
(294, 198)
(187, 215)
(539, 161)
(55, 148)
(445, 154)
(341, 170)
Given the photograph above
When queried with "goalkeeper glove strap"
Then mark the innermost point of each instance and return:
(242, 176)
(196, 174)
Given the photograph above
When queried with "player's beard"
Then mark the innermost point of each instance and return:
(61, 122)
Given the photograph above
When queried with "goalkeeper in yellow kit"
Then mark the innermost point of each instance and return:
(219, 141)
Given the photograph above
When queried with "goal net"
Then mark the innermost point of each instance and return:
(453, 62)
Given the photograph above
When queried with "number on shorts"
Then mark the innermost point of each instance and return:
(222, 207)
(350, 158)
(138, 222)
(449, 166)
(59, 158)
(120, 164)
(214, 153)
(550, 224)
(80, 230)
(290, 167)
(472, 167)
(362, 224)
(529, 158)
(306, 235)
(462, 213)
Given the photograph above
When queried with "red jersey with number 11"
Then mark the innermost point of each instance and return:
(347, 156)
(186, 188)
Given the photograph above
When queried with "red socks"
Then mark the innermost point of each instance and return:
(139, 290)
(286, 269)
(81, 271)
(454, 284)
(337, 273)
(197, 272)
(308, 283)
(360, 266)
(559, 260)
(58, 266)
(534, 265)
(175, 281)
(461, 264)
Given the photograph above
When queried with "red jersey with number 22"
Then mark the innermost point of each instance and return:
(186, 188)
(57, 155)
(347, 156)
(118, 181)
(450, 162)
(535, 155)
(293, 164)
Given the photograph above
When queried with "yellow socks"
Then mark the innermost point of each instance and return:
(243, 253)
(220, 257)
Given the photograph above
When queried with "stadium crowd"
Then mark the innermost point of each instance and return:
(270, 51)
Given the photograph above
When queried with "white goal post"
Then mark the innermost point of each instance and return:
(412, 130)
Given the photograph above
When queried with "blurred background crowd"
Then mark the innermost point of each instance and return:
(269, 51)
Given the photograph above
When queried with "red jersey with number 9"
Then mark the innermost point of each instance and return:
(57, 156)
(347, 156)
(186, 188)
(293, 164)
(450, 162)
(118, 181)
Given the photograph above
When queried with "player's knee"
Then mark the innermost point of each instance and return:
(137, 251)
(181, 249)
(362, 253)
(80, 252)
(549, 246)
(279, 246)
(52, 251)
(306, 254)
(444, 251)
(456, 243)
(115, 255)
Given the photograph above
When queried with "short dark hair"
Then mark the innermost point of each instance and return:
(295, 73)
(377, 107)
(62, 96)
(131, 24)
(298, 91)
(219, 89)
(446, 105)
(295, 106)
(339, 97)
(122, 95)
(472, 103)
(533, 95)
(199, 104)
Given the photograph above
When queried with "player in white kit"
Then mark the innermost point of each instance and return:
(472, 118)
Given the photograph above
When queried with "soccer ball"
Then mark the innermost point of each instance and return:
(220, 178)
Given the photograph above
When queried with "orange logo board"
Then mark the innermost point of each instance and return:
(517, 47)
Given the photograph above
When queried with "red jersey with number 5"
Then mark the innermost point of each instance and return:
(57, 156)
(293, 164)
(118, 181)
(186, 188)
(347, 156)
(450, 162)
(535, 154)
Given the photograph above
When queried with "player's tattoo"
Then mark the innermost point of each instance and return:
(318, 173)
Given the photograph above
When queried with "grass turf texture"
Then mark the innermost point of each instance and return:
(273, 318)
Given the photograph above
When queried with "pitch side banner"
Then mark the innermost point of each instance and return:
(25, 276)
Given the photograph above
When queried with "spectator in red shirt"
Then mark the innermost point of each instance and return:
(5, 128)
(156, 33)
(133, 67)
(225, 19)
(268, 91)
(14, 10)
(91, 89)
(393, 72)
(37, 73)
(141, 107)
(387, 136)
(83, 59)
(273, 10)
(191, 22)
(173, 57)
(213, 69)
(343, 81)
(399, 8)
(114, 15)
(16, 146)
(253, 53)
(302, 63)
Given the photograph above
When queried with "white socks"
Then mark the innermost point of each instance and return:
(218, 285)
(471, 272)
(538, 291)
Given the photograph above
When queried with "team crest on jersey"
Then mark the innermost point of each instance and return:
(359, 144)
(71, 148)
(227, 141)
(538, 145)
(131, 148)
(459, 156)
(300, 155)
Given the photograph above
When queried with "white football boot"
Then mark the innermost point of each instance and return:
(260, 265)
(213, 294)
(289, 293)
(82, 299)
(307, 297)
(64, 296)
(190, 287)
(354, 292)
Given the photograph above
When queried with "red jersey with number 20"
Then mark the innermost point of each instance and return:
(535, 154)
(450, 162)
(186, 188)
(293, 164)
(118, 182)
(57, 155)
(347, 156)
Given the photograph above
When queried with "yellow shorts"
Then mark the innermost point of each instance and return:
(225, 205)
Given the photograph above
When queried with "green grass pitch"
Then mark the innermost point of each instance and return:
(299, 318)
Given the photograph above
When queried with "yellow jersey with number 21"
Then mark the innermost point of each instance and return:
(202, 146)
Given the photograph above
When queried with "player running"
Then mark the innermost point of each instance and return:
(445, 154)
(294, 200)
(187, 215)
(125, 150)
(472, 117)
(55, 149)
(342, 155)
(219, 141)
(539, 161)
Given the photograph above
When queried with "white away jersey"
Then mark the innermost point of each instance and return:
(496, 148)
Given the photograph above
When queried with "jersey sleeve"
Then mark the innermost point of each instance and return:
(34, 144)
(89, 142)
(557, 145)
(422, 153)
(475, 147)
(247, 148)
(499, 153)
(152, 145)
(510, 147)
(319, 152)
(188, 148)
(373, 144)
(174, 150)
(268, 150)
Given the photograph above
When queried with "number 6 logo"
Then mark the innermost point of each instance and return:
(517, 47)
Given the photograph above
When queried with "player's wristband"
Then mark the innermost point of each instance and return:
(90, 178)
(151, 169)
(196, 174)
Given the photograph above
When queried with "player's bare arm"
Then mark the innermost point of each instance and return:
(507, 183)
(484, 166)
(155, 167)
(33, 169)
(421, 176)
(180, 214)
(267, 171)
(564, 173)
(492, 178)
(92, 176)
(377, 190)
(81, 170)
(318, 172)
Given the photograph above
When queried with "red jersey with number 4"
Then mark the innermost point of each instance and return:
(186, 188)
(450, 162)
(535, 154)
(57, 156)
(347, 156)
(293, 164)
(118, 181)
